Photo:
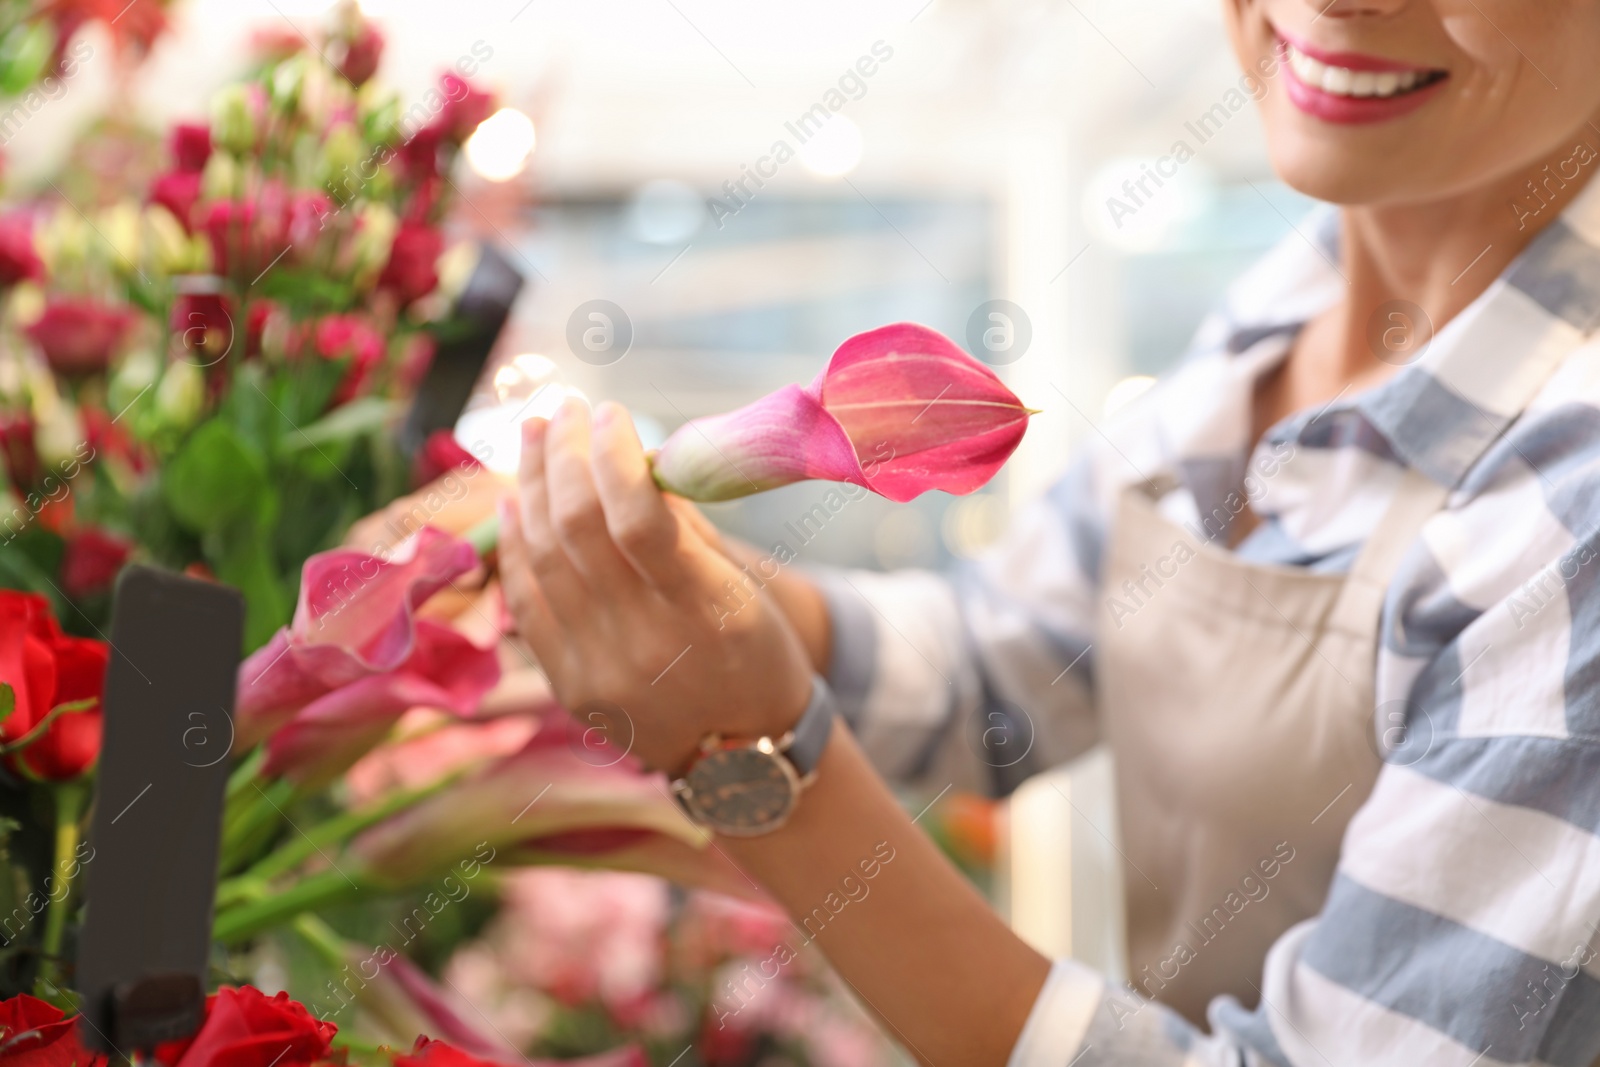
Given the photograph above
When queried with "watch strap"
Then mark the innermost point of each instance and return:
(811, 733)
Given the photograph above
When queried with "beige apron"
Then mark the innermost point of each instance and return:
(1237, 700)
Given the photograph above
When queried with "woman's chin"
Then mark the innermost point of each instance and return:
(1324, 170)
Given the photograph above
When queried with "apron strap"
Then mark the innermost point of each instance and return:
(1417, 499)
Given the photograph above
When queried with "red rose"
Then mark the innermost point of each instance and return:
(190, 145)
(347, 337)
(411, 270)
(246, 1028)
(358, 59)
(106, 438)
(439, 455)
(46, 668)
(464, 107)
(19, 261)
(90, 562)
(20, 455)
(178, 192)
(430, 1053)
(34, 1033)
(79, 335)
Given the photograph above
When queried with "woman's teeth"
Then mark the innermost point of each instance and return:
(1342, 81)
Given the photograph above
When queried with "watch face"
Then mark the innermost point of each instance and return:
(742, 791)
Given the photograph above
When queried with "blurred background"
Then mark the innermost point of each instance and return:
(744, 186)
(974, 163)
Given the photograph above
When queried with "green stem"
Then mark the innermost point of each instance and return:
(320, 890)
(335, 830)
(69, 798)
(485, 535)
(248, 768)
(251, 817)
(323, 939)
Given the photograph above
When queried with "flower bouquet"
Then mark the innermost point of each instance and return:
(206, 374)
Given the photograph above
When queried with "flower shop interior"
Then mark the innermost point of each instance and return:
(279, 276)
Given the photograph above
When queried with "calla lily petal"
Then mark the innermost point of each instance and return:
(898, 410)
(356, 657)
(404, 1001)
(554, 801)
(332, 732)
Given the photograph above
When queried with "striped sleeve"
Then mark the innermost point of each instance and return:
(977, 678)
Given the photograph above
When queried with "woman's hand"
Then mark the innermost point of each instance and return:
(629, 603)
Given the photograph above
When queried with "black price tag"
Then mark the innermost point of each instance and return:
(142, 958)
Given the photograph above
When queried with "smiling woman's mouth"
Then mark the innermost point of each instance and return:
(1350, 87)
(1348, 81)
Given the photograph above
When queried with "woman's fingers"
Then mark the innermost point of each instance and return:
(576, 515)
(524, 599)
(568, 597)
(636, 513)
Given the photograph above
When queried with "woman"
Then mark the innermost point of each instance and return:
(1327, 592)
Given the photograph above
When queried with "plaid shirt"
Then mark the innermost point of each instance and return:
(1463, 923)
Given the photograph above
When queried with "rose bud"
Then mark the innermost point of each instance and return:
(237, 112)
(19, 259)
(412, 270)
(190, 145)
(899, 410)
(346, 337)
(357, 55)
(464, 109)
(91, 561)
(178, 192)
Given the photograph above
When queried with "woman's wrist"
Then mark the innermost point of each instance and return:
(801, 602)
(909, 934)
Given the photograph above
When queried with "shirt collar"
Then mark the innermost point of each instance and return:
(1480, 370)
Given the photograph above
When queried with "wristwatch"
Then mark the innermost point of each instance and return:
(749, 788)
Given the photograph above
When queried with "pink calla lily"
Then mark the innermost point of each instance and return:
(403, 1001)
(553, 802)
(356, 657)
(898, 410)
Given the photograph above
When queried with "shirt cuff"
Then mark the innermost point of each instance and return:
(1060, 1018)
(853, 652)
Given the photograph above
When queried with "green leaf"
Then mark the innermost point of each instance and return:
(367, 415)
(8, 700)
(24, 52)
(245, 562)
(215, 479)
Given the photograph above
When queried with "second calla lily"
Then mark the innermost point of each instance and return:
(898, 410)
